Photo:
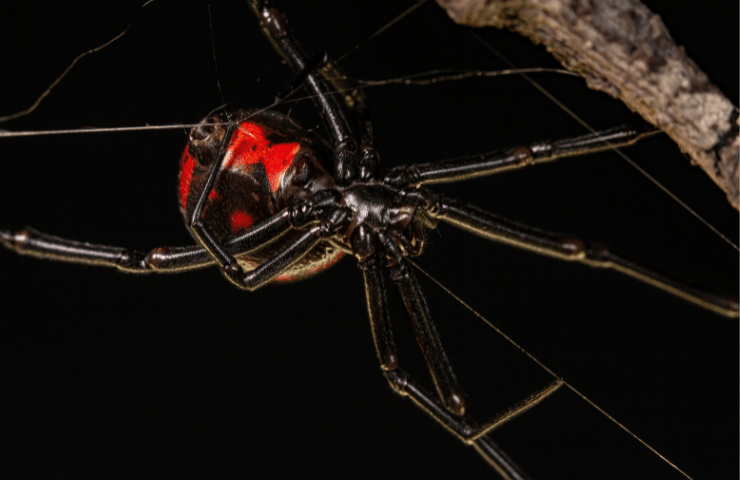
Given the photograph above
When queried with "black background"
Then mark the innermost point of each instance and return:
(117, 376)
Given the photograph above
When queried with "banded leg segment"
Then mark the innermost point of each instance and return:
(458, 169)
(492, 227)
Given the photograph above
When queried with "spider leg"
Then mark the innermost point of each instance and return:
(376, 296)
(41, 245)
(462, 427)
(457, 169)
(197, 226)
(426, 335)
(160, 260)
(354, 99)
(492, 227)
(276, 30)
(292, 251)
(347, 163)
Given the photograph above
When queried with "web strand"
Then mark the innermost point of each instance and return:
(550, 371)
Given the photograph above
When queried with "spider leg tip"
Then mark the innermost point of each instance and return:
(16, 239)
(733, 307)
(456, 402)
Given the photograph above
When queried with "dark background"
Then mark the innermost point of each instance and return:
(107, 375)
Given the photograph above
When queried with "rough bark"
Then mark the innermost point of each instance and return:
(625, 50)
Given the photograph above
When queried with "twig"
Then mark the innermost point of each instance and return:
(622, 48)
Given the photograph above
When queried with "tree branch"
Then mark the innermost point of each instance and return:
(622, 48)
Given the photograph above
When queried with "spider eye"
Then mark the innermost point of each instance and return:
(304, 172)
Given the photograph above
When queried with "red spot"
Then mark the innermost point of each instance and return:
(213, 195)
(187, 167)
(240, 221)
(249, 146)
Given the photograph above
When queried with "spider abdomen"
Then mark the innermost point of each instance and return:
(270, 162)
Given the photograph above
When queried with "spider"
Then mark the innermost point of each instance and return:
(174, 326)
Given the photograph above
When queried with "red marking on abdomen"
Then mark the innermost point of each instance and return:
(187, 167)
(249, 146)
(240, 221)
